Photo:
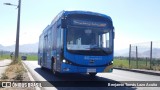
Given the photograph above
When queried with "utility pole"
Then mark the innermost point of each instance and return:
(18, 31)
(18, 28)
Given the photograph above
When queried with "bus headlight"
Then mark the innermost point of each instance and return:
(112, 62)
(64, 61)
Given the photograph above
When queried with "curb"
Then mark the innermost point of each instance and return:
(36, 76)
(29, 75)
(141, 71)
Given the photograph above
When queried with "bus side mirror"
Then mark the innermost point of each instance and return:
(63, 23)
(113, 33)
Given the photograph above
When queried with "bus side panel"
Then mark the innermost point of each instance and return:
(54, 45)
(40, 50)
(45, 43)
(49, 49)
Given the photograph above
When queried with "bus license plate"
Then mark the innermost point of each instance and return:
(91, 70)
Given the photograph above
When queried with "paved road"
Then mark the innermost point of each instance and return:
(117, 76)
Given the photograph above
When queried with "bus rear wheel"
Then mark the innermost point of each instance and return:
(41, 64)
(92, 74)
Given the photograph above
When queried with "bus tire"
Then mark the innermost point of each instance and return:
(92, 74)
(41, 64)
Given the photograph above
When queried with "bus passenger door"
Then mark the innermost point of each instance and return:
(45, 50)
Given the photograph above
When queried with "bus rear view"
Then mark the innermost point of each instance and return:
(81, 42)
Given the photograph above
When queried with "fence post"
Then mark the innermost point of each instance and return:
(151, 55)
(129, 55)
(137, 57)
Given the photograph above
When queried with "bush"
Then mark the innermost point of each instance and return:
(4, 76)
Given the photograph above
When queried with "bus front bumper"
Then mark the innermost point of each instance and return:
(68, 68)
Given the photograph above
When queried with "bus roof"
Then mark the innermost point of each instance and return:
(66, 13)
(86, 12)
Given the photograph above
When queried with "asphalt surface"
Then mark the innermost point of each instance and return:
(144, 71)
(86, 82)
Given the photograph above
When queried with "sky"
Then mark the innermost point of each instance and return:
(135, 21)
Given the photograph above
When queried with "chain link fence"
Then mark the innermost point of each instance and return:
(145, 55)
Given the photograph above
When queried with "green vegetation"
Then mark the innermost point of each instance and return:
(32, 57)
(141, 64)
(4, 56)
(118, 63)
(134, 64)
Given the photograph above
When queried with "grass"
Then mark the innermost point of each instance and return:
(29, 57)
(32, 57)
(121, 63)
(142, 64)
(4, 56)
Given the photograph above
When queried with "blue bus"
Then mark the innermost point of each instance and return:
(77, 42)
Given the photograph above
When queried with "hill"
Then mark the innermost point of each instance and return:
(28, 48)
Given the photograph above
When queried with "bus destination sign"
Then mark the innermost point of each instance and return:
(89, 23)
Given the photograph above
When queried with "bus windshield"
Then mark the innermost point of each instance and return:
(89, 39)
